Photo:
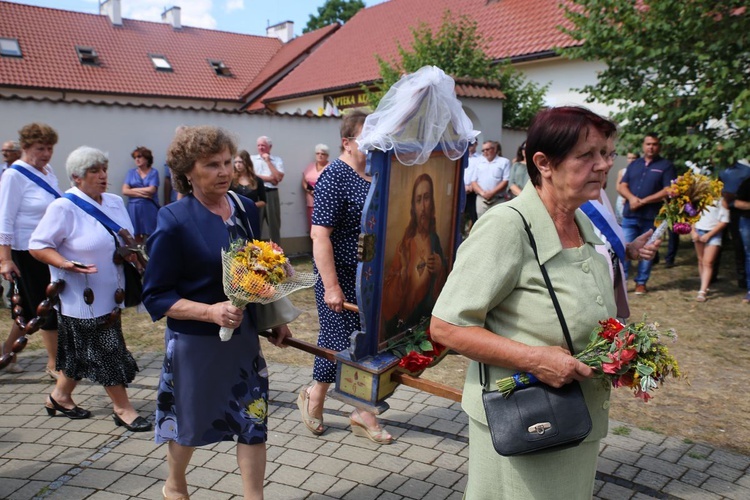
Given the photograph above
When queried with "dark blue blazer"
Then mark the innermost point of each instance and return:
(185, 260)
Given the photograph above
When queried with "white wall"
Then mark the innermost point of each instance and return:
(487, 117)
(118, 130)
(564, 75)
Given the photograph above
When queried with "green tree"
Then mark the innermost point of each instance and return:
(457, 49)
(334, 11)
(679, 69)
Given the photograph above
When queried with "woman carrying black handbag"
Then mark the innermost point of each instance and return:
(506, 319)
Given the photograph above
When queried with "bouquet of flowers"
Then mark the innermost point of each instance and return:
(417, 350)
(258, 272)
(689, 195)
(632, 356)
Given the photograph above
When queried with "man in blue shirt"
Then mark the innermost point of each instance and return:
(732, 177)
(644, 186)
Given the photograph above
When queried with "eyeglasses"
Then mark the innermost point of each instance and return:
(321, 153)
(9, 151)
(487, 149)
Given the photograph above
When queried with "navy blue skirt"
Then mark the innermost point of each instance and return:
(211, 391)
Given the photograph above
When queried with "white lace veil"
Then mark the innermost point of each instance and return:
(418, 112)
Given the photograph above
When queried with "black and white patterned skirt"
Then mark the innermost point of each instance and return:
(92, 349)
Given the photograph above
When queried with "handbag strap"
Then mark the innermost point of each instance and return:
(243, 214)
(483, 370)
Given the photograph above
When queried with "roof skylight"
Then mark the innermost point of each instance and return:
(160, 62)
(9, 47)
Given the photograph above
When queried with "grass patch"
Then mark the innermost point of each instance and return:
(696, 455)
(621, 431)
(649, 429)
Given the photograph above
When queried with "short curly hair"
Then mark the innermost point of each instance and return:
(192, 144)
(37, 132)
(145, 152)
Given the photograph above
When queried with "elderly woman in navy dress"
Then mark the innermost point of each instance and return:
(141, 187)
(340, 197)
(209, 390)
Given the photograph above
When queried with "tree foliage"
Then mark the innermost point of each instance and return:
(681, 69)
(457, 49)
(334, 11)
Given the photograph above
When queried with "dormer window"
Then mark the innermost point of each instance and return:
(160, 62)
(219, 67)
(9, 47)
(87, 56)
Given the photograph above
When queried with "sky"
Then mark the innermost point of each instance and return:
(238, 16)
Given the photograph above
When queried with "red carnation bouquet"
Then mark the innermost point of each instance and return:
(632, 356)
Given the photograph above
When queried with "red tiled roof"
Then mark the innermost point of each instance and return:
(48, 38)
(288, 53)
(511, 28)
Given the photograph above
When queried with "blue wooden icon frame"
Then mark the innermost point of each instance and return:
(370, 273)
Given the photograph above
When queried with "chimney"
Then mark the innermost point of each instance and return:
(172, 16)
(112, 9)
(284, 31)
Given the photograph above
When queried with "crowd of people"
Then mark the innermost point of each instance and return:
(211, 390)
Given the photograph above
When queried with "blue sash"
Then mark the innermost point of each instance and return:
(94, 212)
(36, 180)
(603, 226)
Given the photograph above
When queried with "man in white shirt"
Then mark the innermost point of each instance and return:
(490, 177)
(270, 169)
(11, 153)
(470, 210)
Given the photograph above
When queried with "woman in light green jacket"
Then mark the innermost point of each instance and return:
(506, 319)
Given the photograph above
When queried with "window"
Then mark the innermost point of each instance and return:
(9, 47)
(88, 56)
(160, 63)
(220, 68)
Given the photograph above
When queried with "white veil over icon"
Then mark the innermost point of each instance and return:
(417, 113)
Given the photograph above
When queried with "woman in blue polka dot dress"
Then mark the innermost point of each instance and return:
(339, 198)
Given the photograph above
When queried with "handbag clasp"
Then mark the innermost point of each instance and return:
(540, 428)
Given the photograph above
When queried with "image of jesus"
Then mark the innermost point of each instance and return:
(418, 269)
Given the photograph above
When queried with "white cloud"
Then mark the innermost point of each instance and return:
(233, 5)
(195, 13)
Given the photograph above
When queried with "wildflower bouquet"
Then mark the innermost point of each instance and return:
(632, 356)
(417, 350)
(258, 272)
(689, 195)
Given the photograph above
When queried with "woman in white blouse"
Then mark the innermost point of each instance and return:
(79, 249)
(28, 187)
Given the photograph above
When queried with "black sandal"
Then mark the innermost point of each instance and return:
(140, 424)
(74, 413)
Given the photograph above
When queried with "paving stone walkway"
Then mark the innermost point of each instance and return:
(58, 458)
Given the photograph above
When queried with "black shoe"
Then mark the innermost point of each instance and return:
(140, 424)
(74, 413)
(669, 265)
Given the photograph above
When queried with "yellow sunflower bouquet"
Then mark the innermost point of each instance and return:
(259, 272)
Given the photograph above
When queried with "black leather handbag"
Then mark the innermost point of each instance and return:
(536, 418)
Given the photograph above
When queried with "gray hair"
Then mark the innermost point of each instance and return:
(14, 145)
(264, 138)
(321, 148)
(82, 159)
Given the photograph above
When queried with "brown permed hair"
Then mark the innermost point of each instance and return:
(192, 144)
(37, 132)
(145, 152)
